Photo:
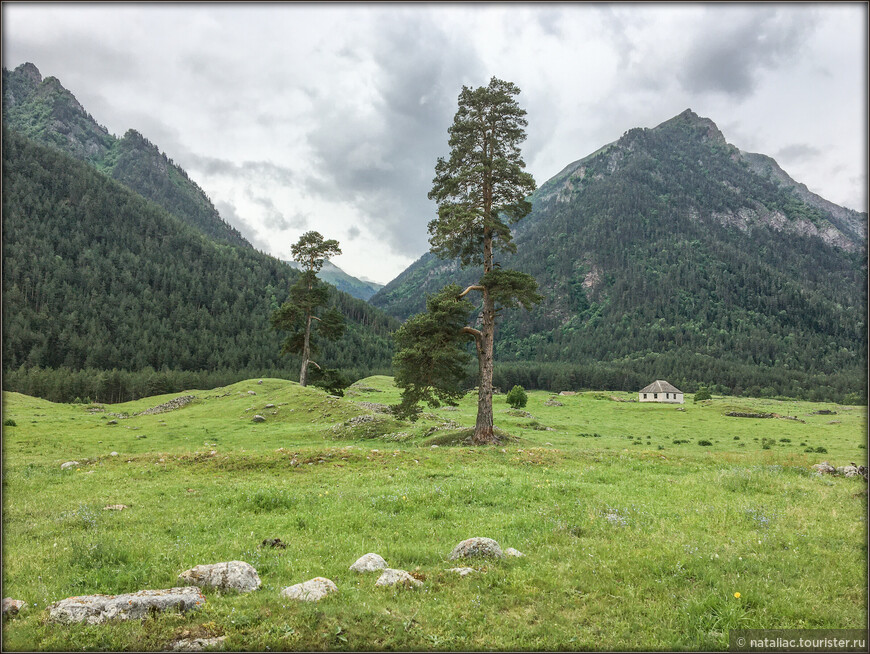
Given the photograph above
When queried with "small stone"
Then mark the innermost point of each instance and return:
(510, 551)
(312, 590)
(112, 422)
(196, 644)
(259, 418)
(252, 392)
(12, 606)
(113, 454)
(96, 609)
(69, 464)
(115, 507)
(260, 382)
(231, 575)
(473, 547)
(369, 563)
(462, 572)
(391, 577)
(269, 406)
(850, 471)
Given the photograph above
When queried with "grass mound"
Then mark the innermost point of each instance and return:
(463, 438)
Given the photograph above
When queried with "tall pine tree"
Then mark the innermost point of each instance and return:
(307, 295)
(480, 191)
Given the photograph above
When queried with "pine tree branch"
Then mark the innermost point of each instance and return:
(474, 332)
(469, 289)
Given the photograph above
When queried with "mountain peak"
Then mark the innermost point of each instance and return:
(689, 120)
(30, 71)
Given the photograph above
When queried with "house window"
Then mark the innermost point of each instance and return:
(667, 396)
(644, 396)
(655, 396)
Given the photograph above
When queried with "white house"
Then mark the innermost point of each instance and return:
(660, 391)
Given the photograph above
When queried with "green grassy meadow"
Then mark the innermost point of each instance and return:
(635, 536)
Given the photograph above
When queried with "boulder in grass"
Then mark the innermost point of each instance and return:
(69, 464)
(12, 606)
(477, 547)
(258, 418)
(510, 551)
(231, 575)
(196, 644)
(370, 562)
(825, 468)
(97, 609)
(391, 577)
(312, 590)
(850, 471)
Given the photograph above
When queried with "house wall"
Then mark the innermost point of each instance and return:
(673, 398)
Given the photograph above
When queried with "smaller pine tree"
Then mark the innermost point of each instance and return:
(517, 397)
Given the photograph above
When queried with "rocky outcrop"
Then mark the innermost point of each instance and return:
(370, 562)
(12, 606)
(312, 590)
(231, 575)
(476, 547)
(69, 464)
(96, 609)
(392, 577)
(196, 644)
(177, 403)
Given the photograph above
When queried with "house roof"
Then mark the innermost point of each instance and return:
(660, 386)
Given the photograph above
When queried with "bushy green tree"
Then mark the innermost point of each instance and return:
(517, 397)
(703, 393)
(480, 189)
(308, 295)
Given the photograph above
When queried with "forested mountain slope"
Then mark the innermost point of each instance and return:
(94, 276)
(46, 112)
(671, 254)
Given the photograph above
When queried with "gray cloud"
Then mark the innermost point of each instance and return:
(353, 233)
(273, 218)
(383, 160)
(228, 212)
(798, 152)
(729, 55)
(248, 170)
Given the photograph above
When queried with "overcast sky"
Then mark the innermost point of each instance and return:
(331, 117)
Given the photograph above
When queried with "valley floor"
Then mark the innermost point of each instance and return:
(635, 536)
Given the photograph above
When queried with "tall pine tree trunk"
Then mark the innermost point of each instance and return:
(483, 429)
(306, 353)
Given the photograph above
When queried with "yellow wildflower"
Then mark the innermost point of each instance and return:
(737, 595)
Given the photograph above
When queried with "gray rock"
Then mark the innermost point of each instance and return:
(69, 464)
(462, 572)
(112, 422)
(96, 609)
(196, 644)
(391, 577)
(115, 507)
(553, 403)
(230, 575)
(252, 392)
(567, 393)
(12, 606)
(260, 382)
(269, 406)
(472, 547)
(825, 468)
(510, 551)
(850, 471)
(259, 418)
(113, 454)
(312, 590)
(369, 563)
